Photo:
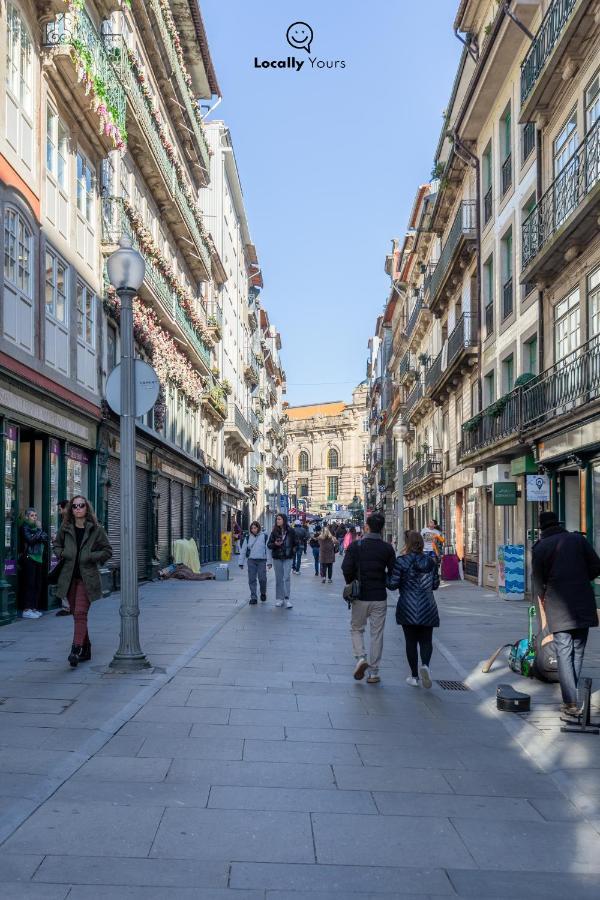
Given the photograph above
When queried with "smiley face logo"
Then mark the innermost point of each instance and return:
(299, 36)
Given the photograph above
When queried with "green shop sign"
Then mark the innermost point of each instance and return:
(505, 493)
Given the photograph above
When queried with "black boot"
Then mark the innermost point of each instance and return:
(86, 650)
(75, 655)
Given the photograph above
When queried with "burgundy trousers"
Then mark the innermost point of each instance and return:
(79, 604)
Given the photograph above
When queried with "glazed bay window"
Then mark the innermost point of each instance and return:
(85, 228)
(57, 171)
(57, 324)
(567, 330)
(19, 87)
(593, 288)
(86, 336)
(19, 267)
(506, 150)
(506, 245)
(332, 487)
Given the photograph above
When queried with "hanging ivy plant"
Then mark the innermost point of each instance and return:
(472, 424)
(495, 410)
(525, 378)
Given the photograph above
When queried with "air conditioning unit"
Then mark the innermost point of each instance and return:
(499, 472)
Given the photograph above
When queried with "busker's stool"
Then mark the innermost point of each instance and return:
(222, 572)
(510, 700)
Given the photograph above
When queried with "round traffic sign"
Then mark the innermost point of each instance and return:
(147, 387)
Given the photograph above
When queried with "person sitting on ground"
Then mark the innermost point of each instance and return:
(563, 565)
(416, 577)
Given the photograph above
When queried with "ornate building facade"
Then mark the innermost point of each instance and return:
(326, 444)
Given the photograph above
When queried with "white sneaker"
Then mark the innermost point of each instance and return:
(425, 676)
(38, 614)
(360, 668)
(30, 614)
(414, 682)
(289, 604)
(279, 603)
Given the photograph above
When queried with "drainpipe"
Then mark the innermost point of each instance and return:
(538, 165)
(470, 42)
(508, 11)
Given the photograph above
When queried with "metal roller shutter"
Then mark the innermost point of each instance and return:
(163, 520)
(176, 510)
(142, 521)
(188, 512)
(114, 510)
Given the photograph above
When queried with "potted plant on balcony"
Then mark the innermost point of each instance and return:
(226, 387)
(472, 424)
(424, 359)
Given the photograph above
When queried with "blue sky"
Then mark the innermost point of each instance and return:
(330, 160)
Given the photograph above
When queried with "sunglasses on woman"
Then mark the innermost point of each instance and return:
(79, 505)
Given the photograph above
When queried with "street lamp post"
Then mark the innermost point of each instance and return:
(279, 464)
(365, 482)
(126, 273)
(400, 430)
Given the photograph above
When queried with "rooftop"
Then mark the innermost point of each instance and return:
(333, 408)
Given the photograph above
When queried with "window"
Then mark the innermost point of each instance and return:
(333, 459)
(565, 144)
(566, 326)
(303, 487)
(506, 150)
(592, 102)
(507, 274)
(489, 388)
(332, 487)
(19, 82)
(488, 294)
(508, 374)
(527, 140)
(57, 147)
(303, 465)
(111, 348)
(486, 174)
(85, 188)
(593, 287)
(18, 280)
(56, 288)
(527, 210)
(85, 314)
(530, 355)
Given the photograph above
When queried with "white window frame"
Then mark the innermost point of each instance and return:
(85, 188)
(18, 245)
(86, 315)
(57, 262)
(57, 148)
(592, 106)
(567, 325)
(19, 73)
(593, 292)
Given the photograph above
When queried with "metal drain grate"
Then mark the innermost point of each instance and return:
(453, 686)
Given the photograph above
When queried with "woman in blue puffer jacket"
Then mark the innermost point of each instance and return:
(416, 576)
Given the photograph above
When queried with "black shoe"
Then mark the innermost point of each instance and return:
(63, 612)
(263, 597)
(86, 651)
(253, 602)
(75, 655)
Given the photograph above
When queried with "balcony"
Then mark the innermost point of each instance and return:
(416, 402)
(457, 358)
(565, 387)
(408, 368)
(252, 481)
(214, 402)
(85, 73)
(423, 474)
(238, 431)
(162, 295)
(564, 30)
(251, 375)
(418, 319)
(565, 218)
(255, 424)
(498, 422)
(172, 187)
(461, 238)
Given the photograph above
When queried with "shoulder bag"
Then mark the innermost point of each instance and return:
(352, 591)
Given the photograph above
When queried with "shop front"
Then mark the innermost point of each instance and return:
(211, 491)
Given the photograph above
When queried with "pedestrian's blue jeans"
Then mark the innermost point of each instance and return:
(570, 647)
(316, 552)
(297, 559)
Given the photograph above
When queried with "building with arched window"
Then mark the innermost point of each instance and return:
(326, 445)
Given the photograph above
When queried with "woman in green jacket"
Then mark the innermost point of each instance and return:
(82, 546)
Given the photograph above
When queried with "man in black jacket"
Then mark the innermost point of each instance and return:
(563, 564)
(370, 560)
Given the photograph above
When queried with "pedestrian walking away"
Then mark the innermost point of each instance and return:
(563, 565)
(433, 539)
(282, 543)
(416, 577)
(314, 546)
(340, 534)
(302, 536)
(327, 551)
(63, 509)
(370, 561)
(33, 542)
(83, 546)
(349, 538)
(256, 553)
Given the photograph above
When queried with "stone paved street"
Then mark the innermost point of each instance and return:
(248, 764)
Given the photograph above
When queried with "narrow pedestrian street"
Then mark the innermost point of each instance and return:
(248, 764)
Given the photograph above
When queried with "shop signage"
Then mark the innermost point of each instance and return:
(39, 413)
(11, 433)
(505, 493)
(79, 455)
(538, 488)
(225, 546)
(10, 567)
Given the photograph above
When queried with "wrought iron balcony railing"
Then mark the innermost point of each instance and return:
(569, 384)
(528, 140)
(462, 337)
(236, 418)
(414, 315)
(544, 42)
(119, 55)
(492, 425)
(464, 226)
(434, 372)
(414, 396)
(427, 464)
(76, 30)
(407, 365)
(568, 190)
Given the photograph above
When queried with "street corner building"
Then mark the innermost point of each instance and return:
(102, 136)
(324, 460)
(483, 365)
